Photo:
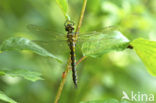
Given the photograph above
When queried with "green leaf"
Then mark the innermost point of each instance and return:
(106, 101)
(2, 73)
(29, 75)
(63, 4)
(5, 98)
(146, 50)
(20, 43)
(104, 43)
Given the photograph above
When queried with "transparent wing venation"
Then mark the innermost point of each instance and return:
(60, 37)
(40, 30)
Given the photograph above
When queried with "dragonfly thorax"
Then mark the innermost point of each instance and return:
(69, 28)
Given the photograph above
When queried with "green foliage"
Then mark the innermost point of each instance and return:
(63, 4)
(147, 52)
(98, 78)
(20, 43)
(29, 75)
(2, 73)
(6, 98)
(104, 43)
(106, 101)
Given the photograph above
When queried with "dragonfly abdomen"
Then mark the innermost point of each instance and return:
(73, 62)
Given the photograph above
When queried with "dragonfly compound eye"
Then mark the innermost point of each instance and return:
(69, 27)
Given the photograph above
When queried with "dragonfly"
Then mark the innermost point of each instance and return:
(71, 38)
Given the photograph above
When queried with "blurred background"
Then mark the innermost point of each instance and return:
(98, 78)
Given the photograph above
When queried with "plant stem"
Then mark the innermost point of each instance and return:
(130, 47)
(80, 60)
(64, 76)
(65, 73)
(81, 17)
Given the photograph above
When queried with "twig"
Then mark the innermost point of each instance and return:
(130, 46)
(64, 76)
(81, 17)
(80, 60)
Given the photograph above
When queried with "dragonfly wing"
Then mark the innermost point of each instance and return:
(54, 46)
(105, 30)
(103, 43)
(40, 31)
(102, 40)
(52, 43)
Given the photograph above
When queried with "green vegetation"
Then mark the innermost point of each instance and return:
(35, 66)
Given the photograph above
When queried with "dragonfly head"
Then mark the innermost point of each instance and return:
(69, 26)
